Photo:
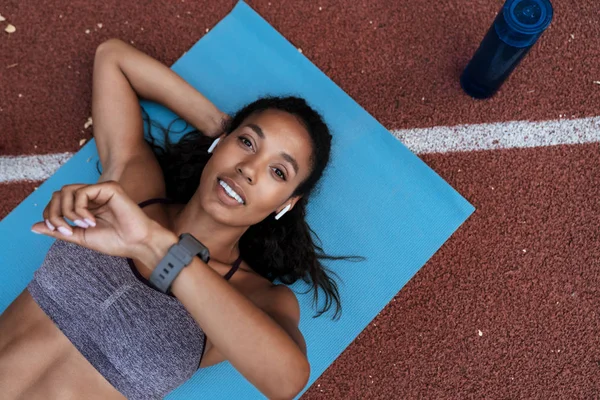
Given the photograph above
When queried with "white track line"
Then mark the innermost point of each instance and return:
(31, 168)
(500, 135)
(439, 139)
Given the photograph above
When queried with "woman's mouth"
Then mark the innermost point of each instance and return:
(227, 195)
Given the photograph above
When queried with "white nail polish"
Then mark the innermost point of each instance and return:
(64, 231)
(89, 222)
(80, 223)
(50, 226)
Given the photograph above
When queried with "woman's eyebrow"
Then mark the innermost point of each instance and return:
(285, 155)
(257, 129)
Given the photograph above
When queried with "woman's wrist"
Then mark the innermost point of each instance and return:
(156, 246)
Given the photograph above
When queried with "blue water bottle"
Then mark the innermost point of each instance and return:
(515, 30)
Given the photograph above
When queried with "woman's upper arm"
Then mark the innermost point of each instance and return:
(141, 176)
(118, 125)
(279, 303)
(118, 131)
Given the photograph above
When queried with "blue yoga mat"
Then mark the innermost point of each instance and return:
(378, 199)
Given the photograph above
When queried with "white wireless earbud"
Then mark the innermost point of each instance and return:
(213, 145)
(286, 209)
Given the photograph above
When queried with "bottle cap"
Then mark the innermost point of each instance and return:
(524, 21)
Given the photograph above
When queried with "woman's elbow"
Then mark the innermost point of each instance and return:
(296, 383)
(108, 49)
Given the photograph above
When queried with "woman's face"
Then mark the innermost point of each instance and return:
(263, 161)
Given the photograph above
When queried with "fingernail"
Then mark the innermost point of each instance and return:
(89, 221)
(64, 231)
(80, 223)
(39, 233)
(50, 226)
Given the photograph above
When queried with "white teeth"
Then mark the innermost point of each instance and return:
(231, 192)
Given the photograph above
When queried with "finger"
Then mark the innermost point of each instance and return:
(55, 215)
(67, 205)
(77, 237)
(81, 207)
(46, 212)
(101, 193)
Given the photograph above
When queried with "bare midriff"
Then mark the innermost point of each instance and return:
(37, 361)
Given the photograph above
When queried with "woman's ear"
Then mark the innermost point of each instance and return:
(286, 207)
(291, 202)
(216, 142)
(221, 137)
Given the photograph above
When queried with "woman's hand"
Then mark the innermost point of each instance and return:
(107, 220)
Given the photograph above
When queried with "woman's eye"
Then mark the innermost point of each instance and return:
(282, 176)
(244, 140)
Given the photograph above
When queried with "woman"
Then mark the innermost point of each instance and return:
(92, 325)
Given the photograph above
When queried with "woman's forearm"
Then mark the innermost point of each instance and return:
(154, 81)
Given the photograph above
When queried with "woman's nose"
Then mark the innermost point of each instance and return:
(246, 174)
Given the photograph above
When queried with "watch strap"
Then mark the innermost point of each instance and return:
(194, 247)
(178, 257)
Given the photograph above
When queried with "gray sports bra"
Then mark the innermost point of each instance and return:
(118, 321)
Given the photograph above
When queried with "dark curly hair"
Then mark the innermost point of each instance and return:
(276, 249)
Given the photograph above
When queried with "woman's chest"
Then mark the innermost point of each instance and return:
(127, 330)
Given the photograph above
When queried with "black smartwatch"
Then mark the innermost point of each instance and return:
(179, 256)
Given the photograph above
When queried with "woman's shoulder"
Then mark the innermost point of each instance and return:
(264, 291)
(252, 280)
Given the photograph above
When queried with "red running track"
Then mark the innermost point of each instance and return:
(523, 270)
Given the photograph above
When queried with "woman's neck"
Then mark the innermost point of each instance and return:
(221, 240)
